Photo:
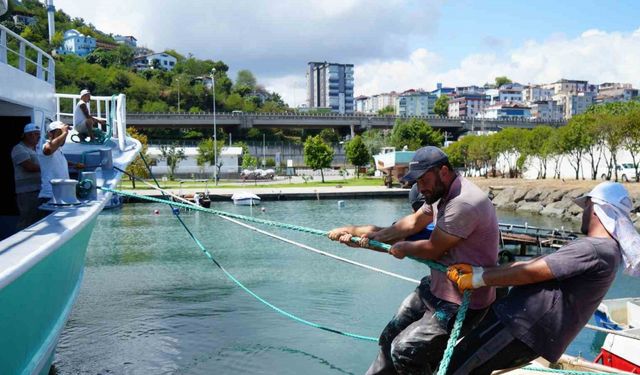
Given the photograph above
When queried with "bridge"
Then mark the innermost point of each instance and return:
(354, 122)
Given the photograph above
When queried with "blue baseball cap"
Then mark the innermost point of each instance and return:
(31, 127)
(424, 159)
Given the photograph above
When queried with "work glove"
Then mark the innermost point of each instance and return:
(466, 276)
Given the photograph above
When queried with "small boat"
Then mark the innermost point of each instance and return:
(245, 199)
(620, 351)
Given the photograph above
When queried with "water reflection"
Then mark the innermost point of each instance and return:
(151, 302)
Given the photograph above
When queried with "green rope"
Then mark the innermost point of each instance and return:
(237, 282)
(455, 332)
(317, 232)
(457, 327)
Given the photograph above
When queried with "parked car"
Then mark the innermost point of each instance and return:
(258, 174)
(626, 173)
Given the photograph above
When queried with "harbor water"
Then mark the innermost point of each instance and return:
(152, 303)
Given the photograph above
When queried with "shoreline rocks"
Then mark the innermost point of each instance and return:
(555, 202)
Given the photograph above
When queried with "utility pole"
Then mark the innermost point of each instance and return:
(215, 129)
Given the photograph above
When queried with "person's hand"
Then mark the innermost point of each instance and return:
(401, 249)
(346, 239)
(335, 234)
(466, 276)
(79, 165)
(364, 240)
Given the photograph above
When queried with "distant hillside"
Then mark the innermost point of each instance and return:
(105, 72)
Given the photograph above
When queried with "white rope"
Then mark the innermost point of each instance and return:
(370, 268)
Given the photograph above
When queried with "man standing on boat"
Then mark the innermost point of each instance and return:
(83, 122)
(53, 164)
(27, 175)
(553, 296)
(466, 227)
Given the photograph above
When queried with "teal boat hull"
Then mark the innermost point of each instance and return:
(36, 306)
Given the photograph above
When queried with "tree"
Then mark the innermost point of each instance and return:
(245, 82)
(441, 108)
(538, 145)
(388, 110)
(357, 153)
(573, 142)
(612, 122)
(206, 153)
(414, 133)
(173, 155)
(234, 102)
(509, 143)
(594, 144)
(138, 168)
(330, 136)
(502, 80)
(317, 154)
(632, 130)
(374, 139)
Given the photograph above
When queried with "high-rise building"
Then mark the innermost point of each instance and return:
(330, 86)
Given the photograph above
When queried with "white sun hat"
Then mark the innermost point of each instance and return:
(612, 205)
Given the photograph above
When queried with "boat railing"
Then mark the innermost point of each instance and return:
(116, 105)
(25, 56)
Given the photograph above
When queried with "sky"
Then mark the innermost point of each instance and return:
(394, 45)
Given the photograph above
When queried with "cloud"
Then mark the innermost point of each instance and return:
(271, 38)
(595, 55)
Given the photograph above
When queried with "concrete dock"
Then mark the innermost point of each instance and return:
(283, 193)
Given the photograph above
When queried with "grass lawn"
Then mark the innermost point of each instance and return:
(125, 184)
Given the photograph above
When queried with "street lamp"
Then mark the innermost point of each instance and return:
(178, 80)
(215, 129)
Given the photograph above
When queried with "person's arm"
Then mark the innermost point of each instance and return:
(403, 228)
(433, 248)
(85, 111)
(51, 147)
(354, 230)
(30, 166)
(511, 274)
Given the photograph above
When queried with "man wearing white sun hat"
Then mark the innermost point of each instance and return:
(554, 295)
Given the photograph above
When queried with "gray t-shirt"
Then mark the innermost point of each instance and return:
(25, 181)
(547, 316)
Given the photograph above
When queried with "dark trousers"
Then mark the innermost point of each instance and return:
(414, 340)
(487, 348)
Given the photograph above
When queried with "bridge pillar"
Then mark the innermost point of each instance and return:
(352, 127)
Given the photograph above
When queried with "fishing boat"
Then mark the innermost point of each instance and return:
(41, 267)
(392, 163)
(245, 199)
(621, 348)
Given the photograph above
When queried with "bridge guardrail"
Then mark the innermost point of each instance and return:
(355, 117)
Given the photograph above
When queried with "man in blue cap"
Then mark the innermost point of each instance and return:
(27, 175)
(466, 227)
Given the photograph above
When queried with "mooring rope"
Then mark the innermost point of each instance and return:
(307, 247)
(240, 284)
(455, 332)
